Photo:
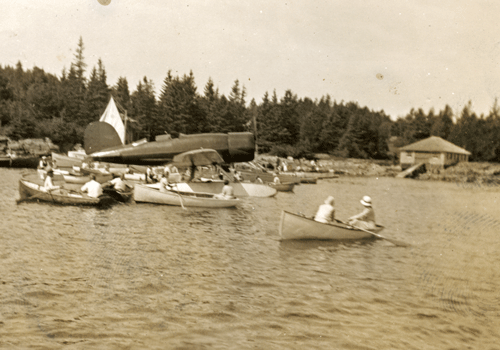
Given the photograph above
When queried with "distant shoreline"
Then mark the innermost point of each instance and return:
(469, 174)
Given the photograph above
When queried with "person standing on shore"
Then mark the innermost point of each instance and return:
(365, 219)
(326, 211)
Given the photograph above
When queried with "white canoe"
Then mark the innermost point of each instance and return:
(81, 179)
(293, 226)
(241, 189)
(283, 187)
(64, 161)
(152, 194)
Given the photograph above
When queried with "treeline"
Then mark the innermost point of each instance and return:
(36, 104)
(480, 135)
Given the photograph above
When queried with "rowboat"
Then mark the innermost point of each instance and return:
(120, 196)
(241, 189)
(152, 194)
(308, 180)
(252, 175)
(64, 161)
(293, 226)
(283, 187)
(32, 191)
(74, 178)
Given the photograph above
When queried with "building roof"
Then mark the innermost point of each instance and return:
(434, 144)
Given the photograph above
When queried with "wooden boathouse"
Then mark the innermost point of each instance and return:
(433, 152)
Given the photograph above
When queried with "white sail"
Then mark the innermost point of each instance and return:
(112, 117)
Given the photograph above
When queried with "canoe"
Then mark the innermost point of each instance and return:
(32, 191)
(73, 178)
(119, 196)
(283, 187)
(249, 175)
(152, 194)
(64, 161)
(135, 177)
(308, 180)
(293, 226)
(241, 189)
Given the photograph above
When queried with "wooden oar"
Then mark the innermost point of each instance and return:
(393, 241)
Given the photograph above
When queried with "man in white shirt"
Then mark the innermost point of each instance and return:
(93, 188)
(326, 211)
(48, 185)
(119, 184)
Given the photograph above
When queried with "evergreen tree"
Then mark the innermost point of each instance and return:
(97, 94)
(144, 109)
(179, 108)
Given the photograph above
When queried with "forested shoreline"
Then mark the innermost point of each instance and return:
(36, 104)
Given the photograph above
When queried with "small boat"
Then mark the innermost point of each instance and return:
(152, 194)
(241, 189)
(30, 191)
(283, 187)
(64, 161)
(293, 226)
(75, 178)
(120, 196)
(308, 180)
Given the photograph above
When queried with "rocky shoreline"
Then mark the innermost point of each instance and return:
(479, 173)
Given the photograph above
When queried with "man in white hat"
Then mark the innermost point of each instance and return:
(326, 211)
(366, 219)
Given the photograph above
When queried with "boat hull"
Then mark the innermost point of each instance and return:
(64, 161)
(119, 196)
(82, 179)
(267, 177)
(241, 189)
(19, 162)
(152, 194)
(294, 226)
(32, 191)
(283, 187)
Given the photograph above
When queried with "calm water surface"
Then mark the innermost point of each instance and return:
(141, 276)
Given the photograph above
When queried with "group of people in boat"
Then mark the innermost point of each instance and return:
(364, 220)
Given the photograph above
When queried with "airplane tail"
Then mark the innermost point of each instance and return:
(100, 135)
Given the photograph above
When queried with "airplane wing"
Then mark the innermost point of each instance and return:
(198, 157)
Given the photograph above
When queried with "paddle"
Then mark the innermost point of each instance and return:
(393, 241)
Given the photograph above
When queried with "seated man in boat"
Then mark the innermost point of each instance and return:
(48, 185)
(119, 183)
(276, 179)
(366, 219)
(227, 192)
(259, 180)
(93, 188)
(164, 184)
(326, 211)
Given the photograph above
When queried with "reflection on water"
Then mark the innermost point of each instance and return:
(142, 276)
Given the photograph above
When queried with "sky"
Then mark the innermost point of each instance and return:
(390, 55)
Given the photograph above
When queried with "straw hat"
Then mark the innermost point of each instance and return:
(366, 201)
